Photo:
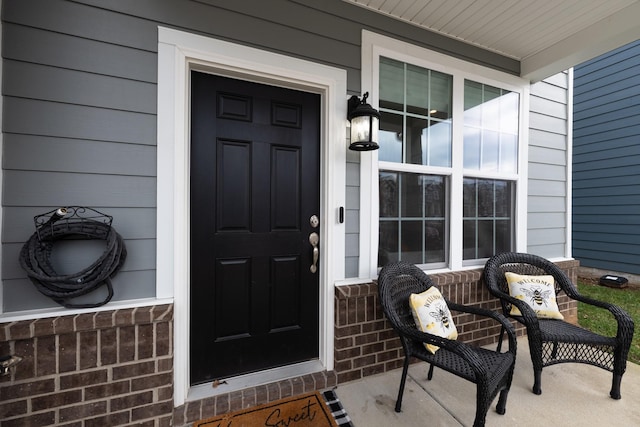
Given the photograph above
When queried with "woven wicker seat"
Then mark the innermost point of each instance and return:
(553, 341)
(491, 371)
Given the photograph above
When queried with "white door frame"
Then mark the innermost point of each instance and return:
(178, 53)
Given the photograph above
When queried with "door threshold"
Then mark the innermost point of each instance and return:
(202, 391)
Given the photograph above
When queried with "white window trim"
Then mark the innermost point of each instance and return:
(375, 45)
(178, 52)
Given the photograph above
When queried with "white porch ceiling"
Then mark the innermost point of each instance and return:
(546, 36)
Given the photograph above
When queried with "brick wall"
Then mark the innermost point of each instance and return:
(366, 345)
(95, 369)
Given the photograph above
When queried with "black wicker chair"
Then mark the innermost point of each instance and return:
(491, 371)
(553, 341)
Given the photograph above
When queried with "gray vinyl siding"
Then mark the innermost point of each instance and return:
(606, 155)
(547, 193)
(80, 102)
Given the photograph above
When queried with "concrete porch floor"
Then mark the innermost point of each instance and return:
(572, 395)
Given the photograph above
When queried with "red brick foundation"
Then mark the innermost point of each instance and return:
(95, 369)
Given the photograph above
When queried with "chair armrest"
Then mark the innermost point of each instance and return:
(498, 317)
(624, 320)
(529, 316)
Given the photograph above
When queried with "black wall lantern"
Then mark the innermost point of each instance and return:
(364, 124)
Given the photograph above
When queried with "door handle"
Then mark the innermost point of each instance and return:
(313, 239)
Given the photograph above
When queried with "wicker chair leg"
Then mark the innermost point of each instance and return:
(430, 374)
(615, 387)
(405, 370)
(537, 386)
(482, 406)
(501, 407)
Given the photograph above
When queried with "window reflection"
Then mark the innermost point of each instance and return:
(490, 128)
(415, 108)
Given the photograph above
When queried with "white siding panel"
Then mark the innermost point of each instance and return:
(547, 172)
(547, 204)
(548, 123)
(548, 107)
(549, 91)
(543, 155)
(542, 220)
(546, 236)
(541, 138)
(560, 80)
(548, 169)
(547, 188)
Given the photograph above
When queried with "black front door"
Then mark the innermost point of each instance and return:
(254, 187)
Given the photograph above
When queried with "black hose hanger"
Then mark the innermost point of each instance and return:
(72, 223)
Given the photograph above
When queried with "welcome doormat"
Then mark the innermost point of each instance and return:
(307, 410)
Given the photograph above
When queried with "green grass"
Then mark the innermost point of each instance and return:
(602, 322)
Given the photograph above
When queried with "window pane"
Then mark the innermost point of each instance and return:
(417, 90)
(391, 84)
(469, 198)
(491, 120)
(412, 191)
(485, 239)
(441, 93)
(419, 234)
(388, 244)
(388, 189)
(509, 112)
(485, 198)
(487, 217)
(472, 103)
(411, 242)
(471, 148)
(490, 146)
(502, 199)
(503, 236)
(435, 241)
(415, 104)
(508, 153)
(439, 152)
(434, 196)
(469, 239)
(390, 137)
(416, 141)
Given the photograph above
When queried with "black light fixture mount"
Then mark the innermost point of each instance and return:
(364, 124)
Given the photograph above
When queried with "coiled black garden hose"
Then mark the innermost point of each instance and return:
(35, 259)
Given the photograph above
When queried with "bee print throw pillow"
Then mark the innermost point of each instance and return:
(537, 291)
(432, 315)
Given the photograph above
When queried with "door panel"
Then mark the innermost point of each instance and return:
(254, 185)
